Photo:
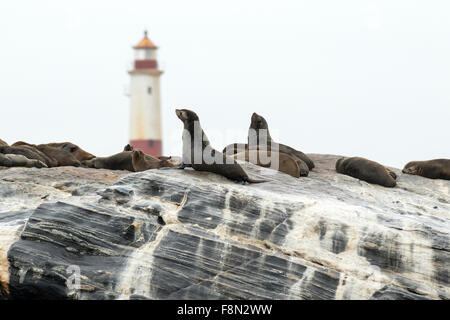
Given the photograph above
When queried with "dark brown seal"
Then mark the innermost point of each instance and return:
(259, 126)
(433, 169)
(198, 153)
(367, 170)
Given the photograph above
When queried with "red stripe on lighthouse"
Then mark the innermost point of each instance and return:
(150, 147)
(145, 64)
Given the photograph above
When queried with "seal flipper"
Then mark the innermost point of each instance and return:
(250, 180)
(164, 158)
(180, 167)
(184, 165)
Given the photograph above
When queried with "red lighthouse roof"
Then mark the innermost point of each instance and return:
(145, 43)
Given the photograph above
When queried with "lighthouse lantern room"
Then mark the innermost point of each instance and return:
(145, 101)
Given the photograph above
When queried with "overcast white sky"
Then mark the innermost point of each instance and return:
(356, 78)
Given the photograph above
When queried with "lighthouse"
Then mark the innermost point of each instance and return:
(145, 101)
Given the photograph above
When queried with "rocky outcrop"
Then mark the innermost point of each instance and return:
(182, 234)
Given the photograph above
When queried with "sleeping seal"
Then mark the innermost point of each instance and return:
(367, 170)
(433, 169)
(282, 161)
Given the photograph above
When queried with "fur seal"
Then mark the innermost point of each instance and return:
(259, 123)
(18, 160)
(56, 156)
(62, 156)
(433, 169)
(129, 147)
(366, 170)
(129, 159)
(196, 145)
(118, 161)
(77, 152)
(286, 163)
(27, 151)
(3, 143)
(142, 161)
(235, 148)
(21, 143)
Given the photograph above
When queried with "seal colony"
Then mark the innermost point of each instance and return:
(198, 153)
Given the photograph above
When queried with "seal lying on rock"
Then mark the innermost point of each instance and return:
(69, 147)
(198, 153)
(55, 156)
(134, 161)
(283, 162)
(129, 147)
(366, 170)
(433, 169)
(142, 161)
(33, 150)
(26, 151)
(260, 127)
(77, 152)
(118, 161)
(62, 157)
(18, 160)
(241, 148)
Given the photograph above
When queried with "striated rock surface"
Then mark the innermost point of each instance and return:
(181, 234)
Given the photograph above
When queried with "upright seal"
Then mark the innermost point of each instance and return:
(260, 127)
(198, 153)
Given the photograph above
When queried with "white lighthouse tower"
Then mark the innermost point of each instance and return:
(145, 102)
